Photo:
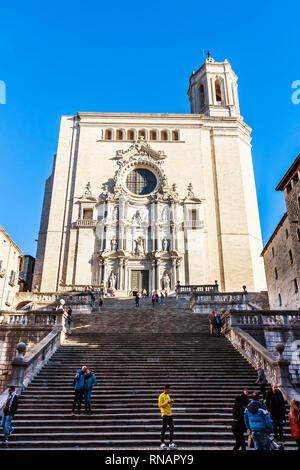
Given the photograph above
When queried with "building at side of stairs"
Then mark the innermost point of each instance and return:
(282, 252)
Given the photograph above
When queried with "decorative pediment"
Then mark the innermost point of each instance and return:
(140, 148)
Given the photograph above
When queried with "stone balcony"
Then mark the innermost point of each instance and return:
(193, 224)
(85, 223)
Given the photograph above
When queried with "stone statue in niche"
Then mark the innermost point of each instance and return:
(114, 244)
(140, 247)
(115, 214)
(165, 213)
(165, 244)
(112, 280)
(166, 281)
(137, 218)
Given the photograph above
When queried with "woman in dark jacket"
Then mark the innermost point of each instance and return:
(238, 425)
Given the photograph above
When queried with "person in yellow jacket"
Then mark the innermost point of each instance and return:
(165, 403)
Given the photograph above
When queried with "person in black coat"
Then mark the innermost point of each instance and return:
(276, 407)
(238, 425)
(9, 411)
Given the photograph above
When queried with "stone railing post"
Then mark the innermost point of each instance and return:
(245, 295)
(18, 368)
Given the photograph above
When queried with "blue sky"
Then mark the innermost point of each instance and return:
(62, 57)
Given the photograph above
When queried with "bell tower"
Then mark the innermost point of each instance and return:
(213, 90)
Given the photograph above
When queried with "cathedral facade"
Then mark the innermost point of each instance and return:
(140, 201)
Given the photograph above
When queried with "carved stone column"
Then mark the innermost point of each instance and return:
(126, 275)
(172, 242)
(105, 273)
(120, 277)
(176, 227)
(158, 286)
(121, 236)
(100, 268)
(173, 278)
(125, 244)
(178, 262)
(153, 276)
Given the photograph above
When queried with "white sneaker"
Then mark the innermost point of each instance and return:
(173, 446)
(163, 446)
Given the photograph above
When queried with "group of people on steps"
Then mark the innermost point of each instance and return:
(264, 417)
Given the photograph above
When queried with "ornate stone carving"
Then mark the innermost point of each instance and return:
(87, 195)
(139, 148)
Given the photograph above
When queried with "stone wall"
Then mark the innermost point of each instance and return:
(280, 271)
(285, 239)
(9, 338)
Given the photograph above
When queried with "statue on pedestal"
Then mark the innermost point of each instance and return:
(140, 247)
(112, 280)
(165, 244)
(114, 244)
(166, 281)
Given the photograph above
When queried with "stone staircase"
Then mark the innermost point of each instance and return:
(133, 353)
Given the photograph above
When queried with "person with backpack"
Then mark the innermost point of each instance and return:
(89, 382)
(79, 389)
(211, 320)
(259, 423)
(9, 411)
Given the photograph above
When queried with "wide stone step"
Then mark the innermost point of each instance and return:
(93, 438)
(150, 429)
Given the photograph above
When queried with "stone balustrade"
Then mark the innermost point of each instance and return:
(195, 288)
(203, 302)
(29, 318)
(262, 318)
(25, 368)
(81, 288)
(277, 368)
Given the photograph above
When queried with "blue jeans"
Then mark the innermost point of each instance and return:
(6, 424)
(261, 441)
(87, 398)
